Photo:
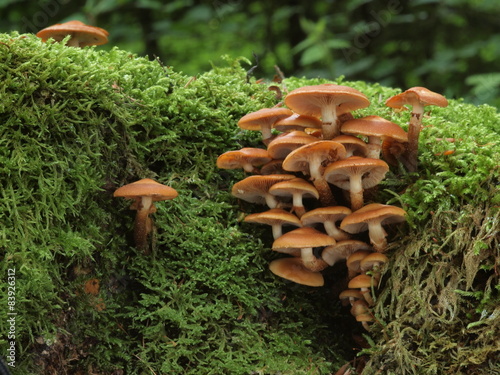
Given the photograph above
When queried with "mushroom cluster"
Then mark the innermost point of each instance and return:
(313, 173)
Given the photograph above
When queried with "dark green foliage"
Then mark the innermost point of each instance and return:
(76, 124)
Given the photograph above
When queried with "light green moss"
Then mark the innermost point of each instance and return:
(75, 124)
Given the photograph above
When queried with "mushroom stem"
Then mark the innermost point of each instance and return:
(141, 224)
(73, 42)
(310, 261)
(356, 192)
(413, 135)
(330, 126)
(298, 205)
(377, 236)
(333, 231)
(325, 192)
(367, 296)
(374, 146)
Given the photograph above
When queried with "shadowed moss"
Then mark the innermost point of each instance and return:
(78, 123)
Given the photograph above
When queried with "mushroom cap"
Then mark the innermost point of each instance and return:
(419, 95)
(297, 122)
(253, 189)
(343, 250)
(327, 151)
(272, 217)
(368, 262)
(360, 307)
(377, 212)
(282, 145)
(322, 214)
(293, 186)
(304, 237)
(374, 126)
(360, 281)
(309, 100)
(247, 155)
(353, 262)
(146, 187)
(266, 116)
(351, 293)
(294, 270)
(372, 171)
(86, 35)
(353, 145)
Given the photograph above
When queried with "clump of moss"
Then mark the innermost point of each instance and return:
(75, 124)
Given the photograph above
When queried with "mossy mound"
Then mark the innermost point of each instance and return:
(78, 123)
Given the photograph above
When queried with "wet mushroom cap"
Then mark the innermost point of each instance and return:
(293, 269)
(254, 120)
(247, 156)
(86, 35)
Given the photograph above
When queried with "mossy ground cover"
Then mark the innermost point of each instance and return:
(76, 124)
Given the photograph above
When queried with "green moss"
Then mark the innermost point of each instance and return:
(75, 124)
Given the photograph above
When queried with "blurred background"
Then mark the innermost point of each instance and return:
(449, 46)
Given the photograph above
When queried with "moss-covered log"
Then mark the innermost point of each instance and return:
(75, 124)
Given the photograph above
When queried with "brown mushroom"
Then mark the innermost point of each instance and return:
(248, 158)
(353, 262)
(353, 145)
(355, 174)
(281, 146)
(364, 283)
(311, 159)
(276, 218)
(297, 122)
(263, 120)
(327, 101)
(373, 217)
(418, 98)
(255, 189)
(81, 35)
(342, 250)
(376, 129)
(294, 270)
(372, 264)
(305, 239)
(144, 192)
(298, 189)
(328, 216)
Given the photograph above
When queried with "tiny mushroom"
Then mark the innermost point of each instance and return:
(276, 218)
(255, 189)
(248, 158)
(364, 283)
(418, 98)
(298, 189)
(82, 35)
(305, 239)
(372, 263)
(311, 159)
(373, 217)
(342, 250)
(294, 270)
(144, 192)
(264, 120)
(376, 129)
(328, 216)
(361, 313)
(355, 174)
(349, 296)
(353, 262)
(327, 101)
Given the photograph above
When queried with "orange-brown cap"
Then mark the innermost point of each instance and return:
(146, 187)
(417, 95)
(82, 35)
(247, 158)
(353, 145)
(342, 250)
(276, 218)
(282, 145)
(362, 281)
(303, 238)
(263, 120)
(372, 260)
(372, 171)
(297, 122)
(328, 216)
(294, 270)
(255, 189)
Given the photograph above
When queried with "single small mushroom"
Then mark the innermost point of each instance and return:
(353, 145)
(328, 217)
(255, 189)
(355, 174)
(376, 129)
(373, 217)
(298, 189)
(342, 250)
(281, 146)
(418, 98)
(364, 283)
(372, 264)
(349, 296)
(263, 120)
(276, 218)
(361, 312)
(144, 192)
(305, 239)
(297, 122)
(311, 159)
(82, 35)
(294, 270)
(353, 262)
(248, 158)
(327, 101)
(394, 151)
